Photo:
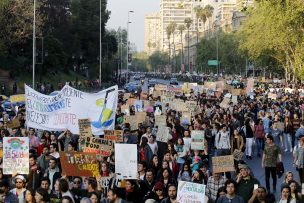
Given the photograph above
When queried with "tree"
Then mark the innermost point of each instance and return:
(188, 22)
(275, 28)
(209, 13)
(158, 60)
(181, 28)
(170, 29)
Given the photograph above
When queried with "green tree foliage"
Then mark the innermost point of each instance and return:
(68, 28)
(158, 60)
(231, 60)
(276, 29)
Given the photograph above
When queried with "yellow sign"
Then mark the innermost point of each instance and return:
(17, 98)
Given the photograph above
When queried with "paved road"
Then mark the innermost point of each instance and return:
(255, 163)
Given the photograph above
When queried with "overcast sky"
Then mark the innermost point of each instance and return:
(119, 17)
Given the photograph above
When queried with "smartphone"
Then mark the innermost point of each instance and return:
(255, 186)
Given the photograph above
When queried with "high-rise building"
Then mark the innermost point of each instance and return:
(152, 33)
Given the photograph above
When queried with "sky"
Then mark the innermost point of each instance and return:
(119, 17)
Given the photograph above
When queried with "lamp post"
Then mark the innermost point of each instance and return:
(128, 39)
(100, 45)
(34, 43)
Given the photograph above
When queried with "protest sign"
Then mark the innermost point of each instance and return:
(190, 192)
(126, 166)
(101, 146)
(186, 118)
(180, 105)
(115, 135)
(225, 103)
(272, 96)
(160, 120)
(234, 100)
(125, 109)
(210, 85)
(17, 98)
(197, 140)
(223, 164)
(15, 123)
(79, 164)
(162, 134)
(62, 111)
(15, 155)
(191, 105)
(85, 127)
(138, 106)
(131, 101)
(132, 121)
(236, 92)
(250, 84)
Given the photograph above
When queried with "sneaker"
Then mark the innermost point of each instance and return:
(285, 150)
(291, 150)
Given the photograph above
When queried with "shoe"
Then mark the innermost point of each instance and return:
(285, 150)
(291, 150)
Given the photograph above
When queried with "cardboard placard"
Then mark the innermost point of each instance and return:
(234, 100)
(115, 135)
(186, 116)
(138, 104)
(236, 92)
(223, 164)
(197, 140)
(125, 109)
(100, 146)
(15, 155)
(190, 192)
(162, 134)
(79, 164)
(85, 127)
(225, 103)
(15, 123)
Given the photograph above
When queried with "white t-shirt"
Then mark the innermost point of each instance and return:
(153, 147)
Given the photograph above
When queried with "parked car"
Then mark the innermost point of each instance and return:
(173, 81)
(132, 87)
(152, 83)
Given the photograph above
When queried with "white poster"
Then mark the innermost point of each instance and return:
(126, 161)
(190, 192)
(62, 111)
(16, 155)
(162, 133)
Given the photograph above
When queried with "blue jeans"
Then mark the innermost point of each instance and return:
(260, 142)
(287, 141)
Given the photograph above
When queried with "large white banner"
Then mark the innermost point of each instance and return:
(15, 155)
(62, 111)
(126, 161)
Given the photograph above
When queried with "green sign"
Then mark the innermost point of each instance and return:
(212, 62)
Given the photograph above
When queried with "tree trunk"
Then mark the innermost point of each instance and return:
(188, 51)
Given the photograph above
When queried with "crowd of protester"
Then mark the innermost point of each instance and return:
(254, 128)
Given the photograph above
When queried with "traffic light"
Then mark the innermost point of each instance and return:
(129, 58)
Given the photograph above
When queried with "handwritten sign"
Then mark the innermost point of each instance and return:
(115, 135)
(138, 104)
(85, 127)
(236, 92)
(79, 164)
(191, 105)
(126, 161)
(162, 134)
(103, 147)
(15, 155)
(197, 139)
(190, 192)
(225, 103)
(223, 164)
(17, 98)
(160, 120)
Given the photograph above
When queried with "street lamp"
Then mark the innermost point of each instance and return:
(128, 39)
(34, 43)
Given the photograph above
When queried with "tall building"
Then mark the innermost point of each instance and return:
(152, 33)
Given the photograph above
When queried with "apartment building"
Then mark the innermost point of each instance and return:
(152, 33)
